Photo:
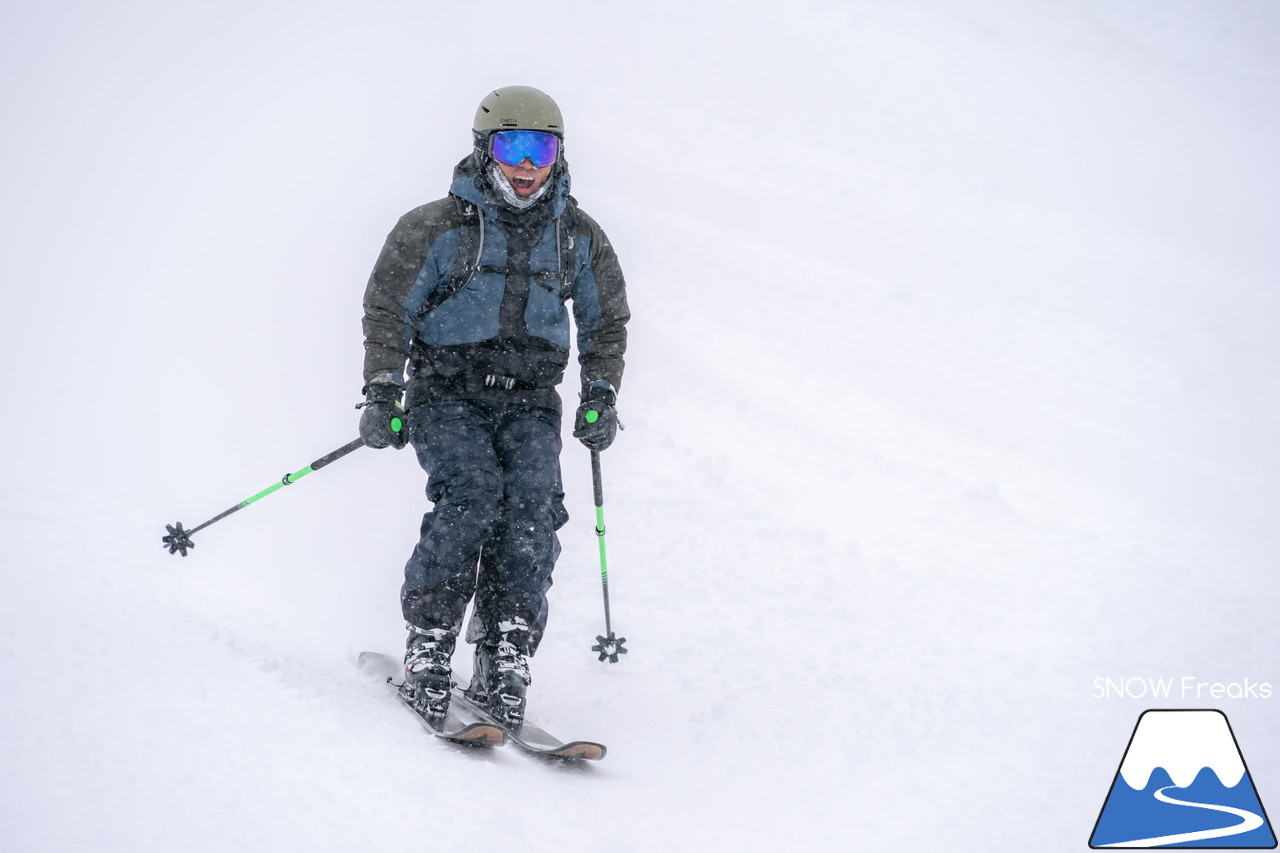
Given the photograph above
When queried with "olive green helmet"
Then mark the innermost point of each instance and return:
(518, 108)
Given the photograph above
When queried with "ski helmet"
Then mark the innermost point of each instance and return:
(518, 108)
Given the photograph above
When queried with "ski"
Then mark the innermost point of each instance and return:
(530, 738)
(473, 731)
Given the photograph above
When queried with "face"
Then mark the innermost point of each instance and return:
(524, 178)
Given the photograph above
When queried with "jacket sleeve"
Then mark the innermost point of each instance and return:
(600, 310)
(386, 322)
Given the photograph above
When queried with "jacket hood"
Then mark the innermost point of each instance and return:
(470, 184)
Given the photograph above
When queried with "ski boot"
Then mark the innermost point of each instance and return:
(427, 672)
(501, 674)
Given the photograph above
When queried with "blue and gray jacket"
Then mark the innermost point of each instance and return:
(472, 295)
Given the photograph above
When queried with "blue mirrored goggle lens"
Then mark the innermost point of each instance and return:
(513, 146)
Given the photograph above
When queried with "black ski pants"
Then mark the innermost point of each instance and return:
(494, 478)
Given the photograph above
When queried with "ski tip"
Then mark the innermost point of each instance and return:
(452, 729)
(489, 736)
(580, 750)
(475, 734)
(378, 665)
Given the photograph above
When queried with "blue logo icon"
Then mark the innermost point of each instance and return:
(1183, 783)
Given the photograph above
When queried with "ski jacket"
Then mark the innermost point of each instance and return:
(496, 318)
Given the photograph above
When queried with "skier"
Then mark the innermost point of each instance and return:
(470, 291)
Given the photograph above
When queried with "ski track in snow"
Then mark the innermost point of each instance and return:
(1248, 822)
(944, 397)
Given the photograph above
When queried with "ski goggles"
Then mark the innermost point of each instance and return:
(513, 146)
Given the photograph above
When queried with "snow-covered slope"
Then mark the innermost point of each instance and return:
(950, 390)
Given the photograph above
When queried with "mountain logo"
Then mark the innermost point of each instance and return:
(1183, 783)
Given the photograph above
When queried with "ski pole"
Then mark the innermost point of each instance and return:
(608, 645)
(179, 540)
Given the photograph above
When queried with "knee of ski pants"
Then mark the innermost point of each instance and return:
(469, 502)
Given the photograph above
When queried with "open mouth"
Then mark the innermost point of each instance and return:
(522, 184)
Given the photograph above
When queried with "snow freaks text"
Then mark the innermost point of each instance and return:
(1186, 687)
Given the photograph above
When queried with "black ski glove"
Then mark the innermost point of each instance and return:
(382, 421)
(596, 423)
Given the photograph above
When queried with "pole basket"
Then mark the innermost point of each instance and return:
(178, 540)
(610, 647)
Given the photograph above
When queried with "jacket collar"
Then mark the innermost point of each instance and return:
(470, 184)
